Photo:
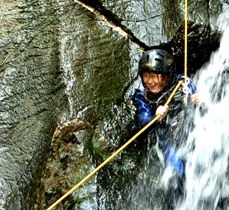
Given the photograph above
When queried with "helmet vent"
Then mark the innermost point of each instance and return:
(158, 59)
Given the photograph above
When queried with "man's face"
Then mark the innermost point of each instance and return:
(154, 82)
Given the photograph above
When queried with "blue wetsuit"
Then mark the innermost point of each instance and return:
(146, 104)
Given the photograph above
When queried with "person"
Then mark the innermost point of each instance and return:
(157, 71)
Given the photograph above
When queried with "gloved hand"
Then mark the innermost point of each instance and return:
(162, 111)
(195, 98)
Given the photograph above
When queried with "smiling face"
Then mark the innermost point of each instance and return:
(154, 82)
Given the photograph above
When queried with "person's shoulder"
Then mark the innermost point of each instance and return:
(180, 77)
(138, 93)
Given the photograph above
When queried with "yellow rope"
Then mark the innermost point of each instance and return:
(144, 128)
(115, 153)
(185, 38)
(185, 45)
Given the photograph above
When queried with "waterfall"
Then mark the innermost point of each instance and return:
(207, 161)
(206, 147)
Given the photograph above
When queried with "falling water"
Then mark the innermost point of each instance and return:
(207, 180)
(206, 149)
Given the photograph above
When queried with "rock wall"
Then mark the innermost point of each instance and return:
(76, 61)
(32, 96)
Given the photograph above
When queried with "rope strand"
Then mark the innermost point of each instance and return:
(144, 128)
(185, 46)
(116, 152)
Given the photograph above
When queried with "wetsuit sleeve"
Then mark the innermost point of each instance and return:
(191, 87)
(192, 90)
(144, 111)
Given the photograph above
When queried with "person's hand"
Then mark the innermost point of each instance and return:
(162, 111)
(195, 98)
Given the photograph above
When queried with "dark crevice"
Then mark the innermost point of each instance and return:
(199, 37)
(112, 19)
(202, 41)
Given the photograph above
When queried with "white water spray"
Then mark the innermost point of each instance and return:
(207, 180)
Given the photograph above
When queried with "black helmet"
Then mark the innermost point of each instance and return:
(157, 61)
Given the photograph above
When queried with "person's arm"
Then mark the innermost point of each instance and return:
(195, 99)
(144, 110)
(194, 95)
(162, 111)
(190, 89)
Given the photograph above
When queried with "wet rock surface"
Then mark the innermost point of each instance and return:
(67, 67)
(30, 108)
